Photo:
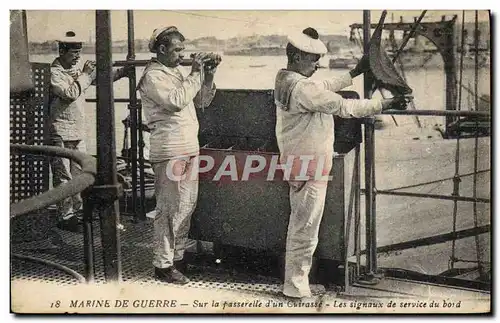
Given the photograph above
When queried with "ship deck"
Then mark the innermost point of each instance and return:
(209, 280)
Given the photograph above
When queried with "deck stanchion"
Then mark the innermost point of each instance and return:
(88, 240)
(136, 145)
(347, 232)
(371, 255)
(107, 190)
(474, 180)
(132, 156)
(357, 209)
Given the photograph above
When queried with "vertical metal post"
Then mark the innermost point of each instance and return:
(107, 184)
(25, 29)
(450, 71)
(88, 239)
(347, 233)
(370, 220)
(142, 190)
(132, 112)
(456, 177)
(357, 209)
(476, 104)
(135, 126)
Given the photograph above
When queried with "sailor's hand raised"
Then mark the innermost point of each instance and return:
(89, 67)
(198, 60)
(362, 66)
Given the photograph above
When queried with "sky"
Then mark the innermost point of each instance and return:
(50, 24)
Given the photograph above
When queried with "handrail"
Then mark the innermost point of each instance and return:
(78, 184)
(144, 62)
(371, 192)
(452, 113)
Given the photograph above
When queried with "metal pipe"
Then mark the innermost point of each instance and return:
(132, 110)
(456, 178)
(130, 37)
(118, 100)
(427, 241)
(142, 189)
(474, 182)
(88, 239)
(347, 233)
(369, 154)
(106, 150)
(448, 53)
(442, 113)
(67, 270)
(138, 143)
(144, 62)
(357, 210)
(79, 183)
(435, 196)
(373, 218)
(450, 113)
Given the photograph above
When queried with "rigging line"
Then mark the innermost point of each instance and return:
(456, 178)
(215, 17)
(433, 182)
(240, 20)
(472, 261)
(471, 92)
(474, 185)
(409, 35)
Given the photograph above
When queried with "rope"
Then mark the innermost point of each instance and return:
(456, 178)
(476, 45)
(435, 181)
(472, 261)
(471, 92)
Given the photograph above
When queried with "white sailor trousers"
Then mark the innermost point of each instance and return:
(307, 202)
(176, 189)
(63, 170)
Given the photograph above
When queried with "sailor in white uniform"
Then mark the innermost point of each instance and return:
(304, 131)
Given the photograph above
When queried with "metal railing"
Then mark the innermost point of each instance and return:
(370, 191)
(80, 183)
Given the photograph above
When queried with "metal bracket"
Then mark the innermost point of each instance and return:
(370, 278)
(134, 105)
(105, 194)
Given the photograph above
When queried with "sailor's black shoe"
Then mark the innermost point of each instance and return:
(181, 265)
(171, 275)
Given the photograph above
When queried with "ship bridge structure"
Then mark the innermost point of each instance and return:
(356, 255)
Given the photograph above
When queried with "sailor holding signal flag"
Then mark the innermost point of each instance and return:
(305, 128)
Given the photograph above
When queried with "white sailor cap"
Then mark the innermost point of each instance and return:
(70, 39)
(308, 41)
(160, 32)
